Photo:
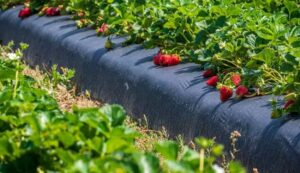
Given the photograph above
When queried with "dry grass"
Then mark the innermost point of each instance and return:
(68, 98)
(148, 138)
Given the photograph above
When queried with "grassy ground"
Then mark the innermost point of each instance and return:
(68, 98)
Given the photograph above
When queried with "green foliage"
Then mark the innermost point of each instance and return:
(64, 77)
(36, 136)
(255, 38)
(5, 4)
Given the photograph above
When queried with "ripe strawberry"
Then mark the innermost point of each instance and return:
(103, 28)
(225, 93)
(288, 104)
(208, 73)
(175, 59)
(241, 91)
(236, 79)
(156, 58)
(52, 11)
(213, 81)
(25, 12)
(166, 59)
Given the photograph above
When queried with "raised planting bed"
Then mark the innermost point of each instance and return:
(174, 97)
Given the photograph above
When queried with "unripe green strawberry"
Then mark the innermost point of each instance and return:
(109, 44)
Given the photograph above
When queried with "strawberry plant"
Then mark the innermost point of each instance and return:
(259, 40)
(5, 4)
(37, 136)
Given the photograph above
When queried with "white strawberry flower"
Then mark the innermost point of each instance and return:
(218, 169)
(222, 45)
(13, 56)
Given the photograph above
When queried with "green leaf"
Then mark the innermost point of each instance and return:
(116, 114)
(190, 156)
(265, 33)
(170, 25)
(291, 6)
(168, 149)
(7, 73)
(5, 147)
(235, 167)
(177, 167)
(267, 56)
(295, 52)
(147, 163)
(117, 144)
(66, 138)
(201, 37)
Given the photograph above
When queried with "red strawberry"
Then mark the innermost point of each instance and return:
(165, 59)
(241, 91)
(103, 28)
(213, 81)
(174, 60)
(225, 93)
(157, 58)
(236, 79)
(48, 11)
(289, 103)
(26, 12)
(52, 11)
(208, 73)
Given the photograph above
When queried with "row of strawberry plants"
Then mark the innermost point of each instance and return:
(254, 41)
(37, 136)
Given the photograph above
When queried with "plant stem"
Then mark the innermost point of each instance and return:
(16, 81)
(201, 168)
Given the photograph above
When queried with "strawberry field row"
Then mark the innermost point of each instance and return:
(175, 97)
(37, 136)
(255, 42)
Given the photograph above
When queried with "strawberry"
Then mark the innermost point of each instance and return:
(103, 28)
(208, 73)
(156, 59)
(225, 93)
(241, 91)
(52, 11)
(166, 59)
(109, 44)
(213, 81)
(236, 79)
(174, 60)
(288, 104)
(25, 12)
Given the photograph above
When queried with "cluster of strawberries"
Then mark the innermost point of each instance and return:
(51, 11)
(226, 92)
(48, 11)
(161, 59)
